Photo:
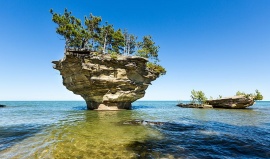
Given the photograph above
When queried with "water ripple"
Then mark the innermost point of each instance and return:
(68, 130)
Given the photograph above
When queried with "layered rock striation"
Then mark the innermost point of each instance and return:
(105, 82)
(236, 102)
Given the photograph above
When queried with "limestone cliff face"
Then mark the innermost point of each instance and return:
(237, 102)
(105, 82)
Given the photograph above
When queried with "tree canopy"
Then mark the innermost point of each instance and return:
(71, 28)
(198, 96)
(93, 35)
(256, 96)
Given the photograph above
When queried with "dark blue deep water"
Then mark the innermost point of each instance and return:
(68, 130)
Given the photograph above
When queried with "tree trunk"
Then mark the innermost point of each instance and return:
(105, 41)
(125, 45)
(128, 45)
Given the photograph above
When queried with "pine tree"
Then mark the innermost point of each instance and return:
(105, 37)
(258, 95)
(130, 43)
(118, 41)
(71, 29)
(198, 96)
(148, 49)
(92, 23)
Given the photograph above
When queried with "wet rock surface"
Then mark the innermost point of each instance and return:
(142, 122)
(194, 105)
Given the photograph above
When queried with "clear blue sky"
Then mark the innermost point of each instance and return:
(218, 46)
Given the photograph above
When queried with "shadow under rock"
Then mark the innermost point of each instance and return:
(80, 108)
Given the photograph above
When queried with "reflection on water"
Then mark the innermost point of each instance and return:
(68, 130)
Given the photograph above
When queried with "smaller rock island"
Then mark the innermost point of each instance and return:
(240, 101)
(235, 102)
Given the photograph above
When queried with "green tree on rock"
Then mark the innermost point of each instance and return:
(258, 95)
(238, 93)
(130, 43)
(198, 96)
(71, 29)
(92, 24)
(118, 41)
(90, 36)
(105, 37)
(148, 49)
(155, 68)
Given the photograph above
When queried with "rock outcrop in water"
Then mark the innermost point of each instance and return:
(191, 105)
(142, 122)
(105, 82)
(236, 102)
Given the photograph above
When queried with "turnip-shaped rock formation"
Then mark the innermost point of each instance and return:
(104, 81)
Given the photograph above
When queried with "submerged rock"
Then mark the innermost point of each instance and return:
(2, 106)
(236, 102)
(142, 122)
(194, 105)
(105, 82)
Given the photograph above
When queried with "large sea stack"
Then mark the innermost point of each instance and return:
(104, 81)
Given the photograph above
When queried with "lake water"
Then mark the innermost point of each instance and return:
(67, 130)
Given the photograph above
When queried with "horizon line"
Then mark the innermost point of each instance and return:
(84, 101)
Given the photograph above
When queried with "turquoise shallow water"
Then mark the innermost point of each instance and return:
(67, 130)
